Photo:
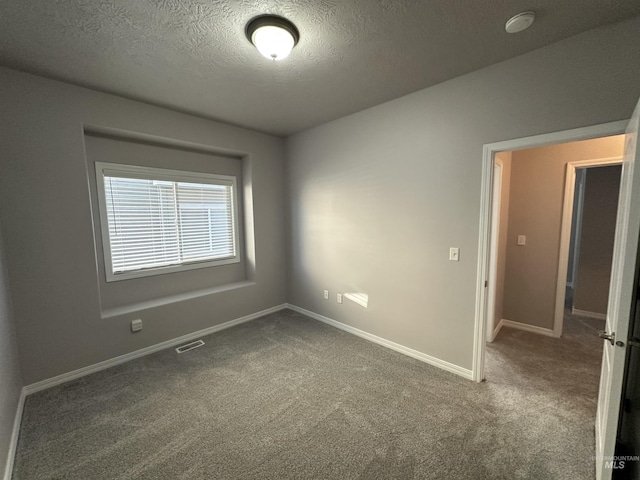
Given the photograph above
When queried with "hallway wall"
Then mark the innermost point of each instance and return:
(535, 210)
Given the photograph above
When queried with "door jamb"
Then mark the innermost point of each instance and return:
(496, 207)
(578, 229)
(565, 233)
(489, 150)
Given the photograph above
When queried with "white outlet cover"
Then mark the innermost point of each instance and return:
(339, 298)
(136, 325)
(522, 239)
(326, 294)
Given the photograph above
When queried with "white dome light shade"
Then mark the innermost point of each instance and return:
(273, 42)
(273, 36)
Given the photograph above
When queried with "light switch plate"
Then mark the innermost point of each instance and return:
(339, 298)
(454, 254)
(522, 239)
(326, 294)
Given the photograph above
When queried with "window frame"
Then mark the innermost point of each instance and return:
(161, 174)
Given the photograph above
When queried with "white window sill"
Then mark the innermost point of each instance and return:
(181, 297)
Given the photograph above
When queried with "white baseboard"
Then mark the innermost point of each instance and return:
(585, 313)
(496, 330)
(527, 328)
(112, 362)
(436, 362)
(13, 443)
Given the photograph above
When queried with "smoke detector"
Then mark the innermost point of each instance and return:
(520, 22)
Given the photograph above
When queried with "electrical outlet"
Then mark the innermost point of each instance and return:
(522, 240)
(339, 298)
(326, 294)
(136, 325)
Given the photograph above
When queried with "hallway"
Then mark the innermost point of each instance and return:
(556, 380)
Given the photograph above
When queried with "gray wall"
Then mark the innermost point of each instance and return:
(377, 198)
(45, 207)
(535, 210)
(602, 188)
(10, 379)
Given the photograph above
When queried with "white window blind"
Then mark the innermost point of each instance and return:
(162, 218)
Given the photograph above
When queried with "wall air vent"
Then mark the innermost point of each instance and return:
(189, 346)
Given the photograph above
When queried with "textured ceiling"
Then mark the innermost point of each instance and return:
(193, 56)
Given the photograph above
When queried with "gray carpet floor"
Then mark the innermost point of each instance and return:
(287, 397)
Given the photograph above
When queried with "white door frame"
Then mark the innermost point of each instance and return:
(565, 232)
(494, 248)
(484, 243)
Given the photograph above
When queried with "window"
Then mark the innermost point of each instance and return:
(159, 221)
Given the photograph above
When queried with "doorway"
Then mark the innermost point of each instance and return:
(538, 205)
(590, 250)
(563, 372)
(623, 276)
(592, 189)
(486, 206)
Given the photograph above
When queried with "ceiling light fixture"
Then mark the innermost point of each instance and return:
(273, 36)
(520, 22)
